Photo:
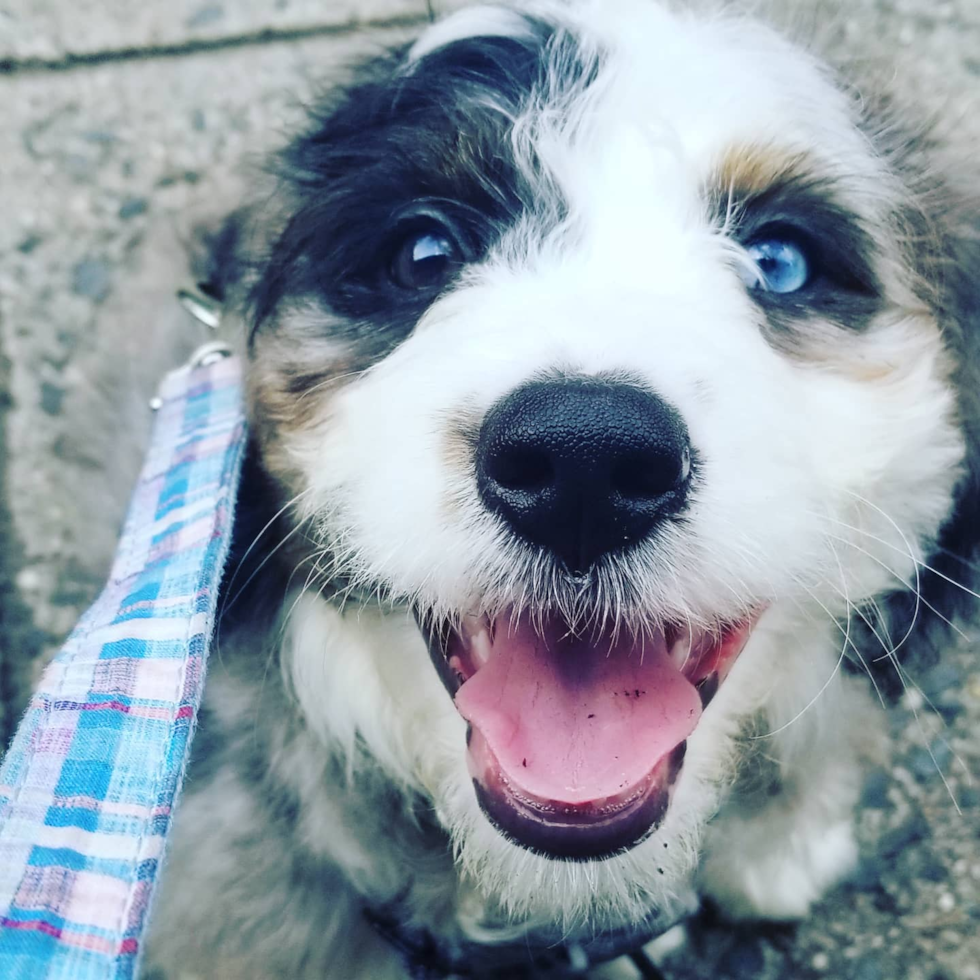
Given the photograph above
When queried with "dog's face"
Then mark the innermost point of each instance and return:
(596, 338)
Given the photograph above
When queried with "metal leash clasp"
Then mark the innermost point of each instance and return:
(208, 311)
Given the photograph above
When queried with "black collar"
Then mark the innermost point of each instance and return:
(425, 958)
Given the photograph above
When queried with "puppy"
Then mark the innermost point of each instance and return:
(612, 375)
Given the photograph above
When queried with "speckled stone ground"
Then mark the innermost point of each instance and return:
(123, 126)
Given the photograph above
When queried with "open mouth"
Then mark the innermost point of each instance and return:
(576, 740)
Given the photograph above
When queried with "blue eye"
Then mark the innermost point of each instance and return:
(781, 265)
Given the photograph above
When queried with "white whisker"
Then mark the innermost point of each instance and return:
(272, 520)
(846, 630)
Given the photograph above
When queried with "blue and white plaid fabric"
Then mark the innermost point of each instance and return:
(90, 781)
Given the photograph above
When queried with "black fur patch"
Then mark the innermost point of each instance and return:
(219, 260)
(254, 589)
(397, 149)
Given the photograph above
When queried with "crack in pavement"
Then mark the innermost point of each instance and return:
(12, 66)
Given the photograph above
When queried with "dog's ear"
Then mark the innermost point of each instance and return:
(951, 580)
(960, 320)
(944, 238)
(220, 257)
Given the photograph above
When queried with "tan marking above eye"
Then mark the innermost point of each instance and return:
(747, 170)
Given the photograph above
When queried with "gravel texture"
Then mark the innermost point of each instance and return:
(126, 124)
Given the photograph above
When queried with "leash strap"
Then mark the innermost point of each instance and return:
(91, 779)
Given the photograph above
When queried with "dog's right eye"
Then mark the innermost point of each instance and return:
(425, 259)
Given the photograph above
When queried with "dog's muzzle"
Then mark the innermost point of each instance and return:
(577, 731)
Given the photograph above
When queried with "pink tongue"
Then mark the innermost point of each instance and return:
(574, 721)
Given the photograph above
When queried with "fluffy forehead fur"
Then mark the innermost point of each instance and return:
(605, 168)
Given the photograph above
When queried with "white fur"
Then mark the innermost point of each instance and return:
(479, 21)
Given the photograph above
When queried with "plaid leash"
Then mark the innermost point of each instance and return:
(90, 781)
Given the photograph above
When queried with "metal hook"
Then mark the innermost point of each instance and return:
(200, 306)
(209, 353)
(208, 311)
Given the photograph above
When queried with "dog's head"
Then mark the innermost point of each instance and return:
(605, 341)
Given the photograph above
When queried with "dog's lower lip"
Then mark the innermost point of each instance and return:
(574, 750)
(595, 829)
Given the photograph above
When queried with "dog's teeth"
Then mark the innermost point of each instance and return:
(471, 626)
(480, 647)
(475, 633)
(680, 652)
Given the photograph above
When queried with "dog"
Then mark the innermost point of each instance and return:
(613, 373)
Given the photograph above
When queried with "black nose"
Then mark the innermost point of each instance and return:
(582, 467)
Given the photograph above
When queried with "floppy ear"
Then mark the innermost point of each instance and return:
(219, 259)
(945, 244)
(960, 320)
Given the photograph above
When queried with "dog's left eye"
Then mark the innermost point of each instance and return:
(425, 259)
(781, 265)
